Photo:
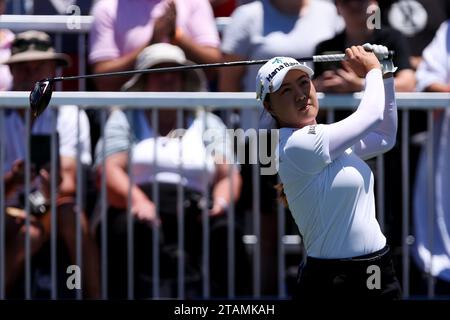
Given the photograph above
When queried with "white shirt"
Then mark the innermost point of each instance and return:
(195, 151)
(328, 186)
(182, 160)
(66, 125)
(435, 66)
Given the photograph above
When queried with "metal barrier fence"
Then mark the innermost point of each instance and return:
(214, 101)
(80, 25)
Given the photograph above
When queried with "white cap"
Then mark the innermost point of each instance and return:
(270, 76)
(160, 53)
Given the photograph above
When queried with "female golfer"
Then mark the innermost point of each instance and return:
(328, 186)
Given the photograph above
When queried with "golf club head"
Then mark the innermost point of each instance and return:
(40, 97)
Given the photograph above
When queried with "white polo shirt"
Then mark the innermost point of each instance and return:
(190, 160)
(332, 202)
(328, 185)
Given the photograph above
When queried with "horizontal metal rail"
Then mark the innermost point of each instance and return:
(222, 100)
(62, 23)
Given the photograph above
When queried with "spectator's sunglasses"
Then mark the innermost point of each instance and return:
(22, 45)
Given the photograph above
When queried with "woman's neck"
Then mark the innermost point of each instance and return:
(290, 7)
(297, 125)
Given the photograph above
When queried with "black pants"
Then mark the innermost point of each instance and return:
(367, 277)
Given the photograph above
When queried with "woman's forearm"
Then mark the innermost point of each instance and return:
(222, 188)
(117, 186)
(383, 138)
(346, 133)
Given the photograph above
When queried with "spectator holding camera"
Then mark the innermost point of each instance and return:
(122, 29)
(32, 59)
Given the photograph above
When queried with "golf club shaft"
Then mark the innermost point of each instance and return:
(176, 68)
(317, 58)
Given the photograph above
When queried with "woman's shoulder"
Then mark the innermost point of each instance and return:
(304, 138)
(311, 129)
(304, 149)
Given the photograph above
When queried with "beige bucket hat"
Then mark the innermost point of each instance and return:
(35, 46)
(160, 53)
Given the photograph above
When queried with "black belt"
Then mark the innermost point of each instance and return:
(378, 257)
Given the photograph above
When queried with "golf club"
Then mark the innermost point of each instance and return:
(41, 94)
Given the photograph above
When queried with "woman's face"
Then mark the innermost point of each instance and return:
(295, 104)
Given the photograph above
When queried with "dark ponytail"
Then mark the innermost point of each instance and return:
(281, 195)
(267, 100)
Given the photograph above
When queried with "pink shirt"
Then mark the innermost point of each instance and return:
(113, 35)
(6, 38)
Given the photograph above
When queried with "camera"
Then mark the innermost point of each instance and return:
(38, 203)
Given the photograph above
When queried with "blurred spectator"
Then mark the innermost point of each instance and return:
(201, 169)
(417, 20)
(33, 58)
(337, 77)
(433, 75)
(262, 30)
(122, 29)
(6, 37)
(69, 41)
